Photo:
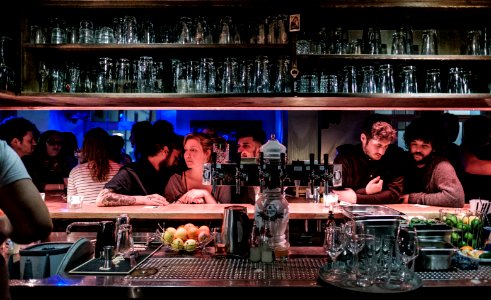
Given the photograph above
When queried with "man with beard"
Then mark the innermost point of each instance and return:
(21, 134)
(142, 182)
(372, 172)
(249, 142)
(430, 179)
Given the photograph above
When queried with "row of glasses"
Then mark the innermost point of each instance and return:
(186, 30)
(383, 80)
(384, 260)
(232, 75)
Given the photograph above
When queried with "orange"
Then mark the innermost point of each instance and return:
(466, 248)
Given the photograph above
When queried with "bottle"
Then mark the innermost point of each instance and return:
(266, 240)
(254, 244)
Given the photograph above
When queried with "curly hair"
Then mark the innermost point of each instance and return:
(378, 127)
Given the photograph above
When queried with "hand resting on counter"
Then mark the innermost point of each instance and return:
(109, 198)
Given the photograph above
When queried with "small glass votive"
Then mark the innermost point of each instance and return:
(75, 201)
(43, 196)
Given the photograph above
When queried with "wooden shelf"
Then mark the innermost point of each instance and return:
(246, 101)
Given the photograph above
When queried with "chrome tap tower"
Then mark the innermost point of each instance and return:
(271, 208)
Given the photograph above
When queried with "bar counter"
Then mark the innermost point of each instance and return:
(166, 273)
(298, 274)
(298, 210)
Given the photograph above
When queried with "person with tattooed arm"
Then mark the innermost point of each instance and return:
(141, 182)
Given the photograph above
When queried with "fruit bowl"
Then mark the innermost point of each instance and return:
(468, 225)
(188, 238)
(190, 249)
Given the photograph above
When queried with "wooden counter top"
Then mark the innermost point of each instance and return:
(58, 209)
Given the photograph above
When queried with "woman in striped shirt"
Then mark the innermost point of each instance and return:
(95, 169)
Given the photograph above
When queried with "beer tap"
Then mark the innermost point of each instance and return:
(283, 174)
(327, 175)
(312, 176)
(214, 177)
(262, 174)
(239, 173)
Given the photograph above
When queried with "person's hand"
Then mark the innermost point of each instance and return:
(155, 199)
(404, 198)
(374, 186)
(194, 196)
(346, 195)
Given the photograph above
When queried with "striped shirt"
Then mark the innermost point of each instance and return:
(81, 183)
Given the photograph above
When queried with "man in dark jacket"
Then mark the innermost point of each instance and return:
(372, 170)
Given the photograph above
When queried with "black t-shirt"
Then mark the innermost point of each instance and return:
(138, 179)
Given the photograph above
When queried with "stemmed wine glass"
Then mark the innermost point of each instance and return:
(407, 243)
(7, 75)
(355, 244)
(334, 244)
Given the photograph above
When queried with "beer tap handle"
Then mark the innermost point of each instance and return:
(325, 176)
(312, 173)
(238, 173)
(261, 172)
(282, 170)
(213, 172)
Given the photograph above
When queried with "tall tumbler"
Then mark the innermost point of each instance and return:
(368, 84)
(429, 44)
(72, 84)
(130, 30)
(349, 80)
(283, 77)
(409, 82)
(105, 77)
(246, 77)
(146, 75)
(261, 74)
(123, 76)
(158, 67)
(398, 43)
(473, 42)
(206, 76)
(386, 79)
(433, 81)
(455, 81)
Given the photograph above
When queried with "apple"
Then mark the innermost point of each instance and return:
(203, 237)
(204, 228)
(190, 245)
(181, 233)
(168, 235)
(177, 244)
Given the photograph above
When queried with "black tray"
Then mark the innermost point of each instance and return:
(123, 267)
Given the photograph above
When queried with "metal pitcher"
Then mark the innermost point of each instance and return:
(235, 230)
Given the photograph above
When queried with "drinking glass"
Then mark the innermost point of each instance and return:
(334, 244)
(409, 83)
(355, 244)
(407, 243)
(124, 242)
(433, 81)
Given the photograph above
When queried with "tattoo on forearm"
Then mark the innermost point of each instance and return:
(113, 199)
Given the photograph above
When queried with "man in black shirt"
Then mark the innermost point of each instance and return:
(141, 182)
(372, 170)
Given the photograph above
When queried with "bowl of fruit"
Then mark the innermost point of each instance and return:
(468, 226)
(188, 237)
